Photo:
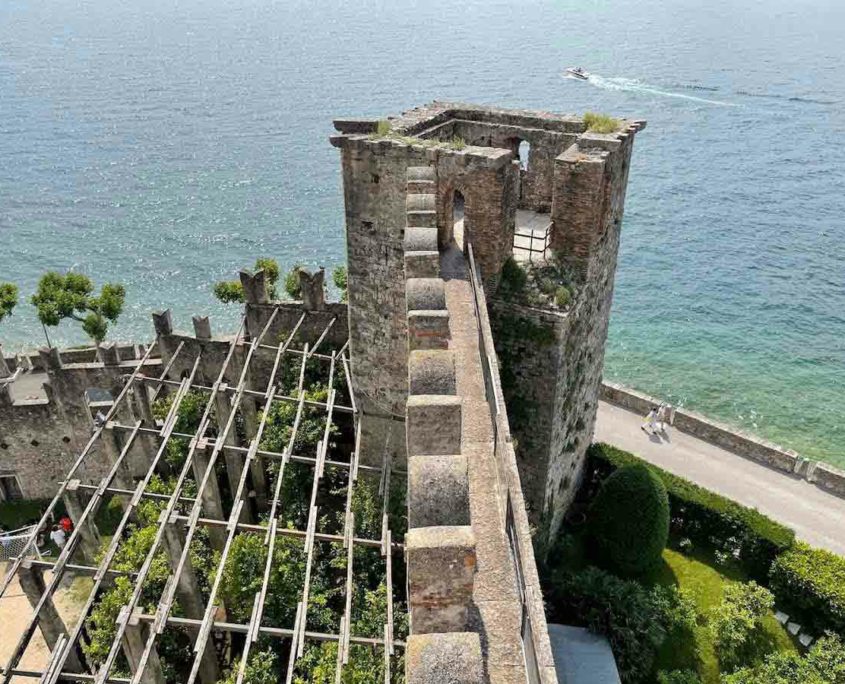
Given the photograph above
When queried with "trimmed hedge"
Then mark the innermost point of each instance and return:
(629, 521)
(705, 517)
(811, 583)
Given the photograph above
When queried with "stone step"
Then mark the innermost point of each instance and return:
(421, 202)
(420, 173)
(426, 218)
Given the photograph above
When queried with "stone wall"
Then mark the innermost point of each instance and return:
(552, 362)
(40, 439)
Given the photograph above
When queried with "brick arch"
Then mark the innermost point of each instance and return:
(446, 218)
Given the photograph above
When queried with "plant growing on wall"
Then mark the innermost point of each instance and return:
(71, 296)
(231, 291)
(8, 299)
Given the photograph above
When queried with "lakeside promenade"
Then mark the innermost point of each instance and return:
(817, 517)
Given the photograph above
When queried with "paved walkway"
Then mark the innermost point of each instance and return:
(816, 516)
(497, 615)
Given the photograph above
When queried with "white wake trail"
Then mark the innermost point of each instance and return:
(636, 86)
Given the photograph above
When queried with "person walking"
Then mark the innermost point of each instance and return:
(650, 420)
(662, 417)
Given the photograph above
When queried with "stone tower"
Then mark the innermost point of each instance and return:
(500, 176)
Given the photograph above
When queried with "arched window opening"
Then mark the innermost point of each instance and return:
(523, 151)
(458, 224)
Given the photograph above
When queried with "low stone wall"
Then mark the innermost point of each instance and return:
(787, 461)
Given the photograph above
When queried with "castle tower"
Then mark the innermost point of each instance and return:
(534, 186)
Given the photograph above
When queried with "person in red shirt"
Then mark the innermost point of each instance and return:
(66, 524)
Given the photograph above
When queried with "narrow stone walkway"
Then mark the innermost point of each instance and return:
(495, 594)
(816, 516)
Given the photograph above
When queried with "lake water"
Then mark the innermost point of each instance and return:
(166, 144)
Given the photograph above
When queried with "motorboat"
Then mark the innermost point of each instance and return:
(578, 72)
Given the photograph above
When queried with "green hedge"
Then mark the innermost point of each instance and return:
(704, 517)
(629, 521)
(810, 584)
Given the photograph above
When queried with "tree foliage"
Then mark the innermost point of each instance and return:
(629, 521)
(707, 518)
(8, 299)
(341, 281)
(823, 664)
(738, 620)
(71, 296)
(232, 292)
(292, 285)
(635, 619)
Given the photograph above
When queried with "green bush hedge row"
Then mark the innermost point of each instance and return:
(810, 584)
(705, 517)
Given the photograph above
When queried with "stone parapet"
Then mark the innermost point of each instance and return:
(438, 491)
(440, 658)
(441, 569)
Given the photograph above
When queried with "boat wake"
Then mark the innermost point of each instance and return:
(634, 85)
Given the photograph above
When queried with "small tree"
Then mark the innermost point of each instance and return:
(71, 296)
(8, 299)
(738, 620)
(629, 520)
(824, 664)
(231, 291)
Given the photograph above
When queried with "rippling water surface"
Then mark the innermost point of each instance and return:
(167, 144)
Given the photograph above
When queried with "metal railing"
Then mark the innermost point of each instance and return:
(501, 435)
(530, 233)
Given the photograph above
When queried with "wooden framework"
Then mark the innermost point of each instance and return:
(193, 513)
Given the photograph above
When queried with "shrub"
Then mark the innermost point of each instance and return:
(811, 583)
(513, 278)
(707, 518)
(629, 520)
(563, 296)
(678, 677)
(824, 664)
(738, 619)
(601, 123)
(457, 143)
(634, 619)
(383, 128)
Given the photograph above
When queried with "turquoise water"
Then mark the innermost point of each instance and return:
(165, 145)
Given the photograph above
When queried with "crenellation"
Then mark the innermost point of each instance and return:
(435, 382)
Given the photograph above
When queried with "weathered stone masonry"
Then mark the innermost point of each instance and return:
(554, 358)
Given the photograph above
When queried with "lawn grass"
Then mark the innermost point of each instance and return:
(705, 585)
